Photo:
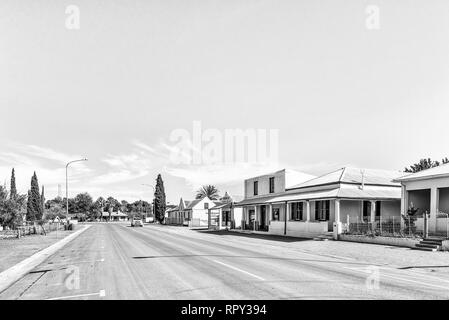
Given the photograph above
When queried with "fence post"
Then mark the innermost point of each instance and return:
(348, 223)
(357, 223)
(393, 226)
(409, 233)
(447, 225)
(380, 225)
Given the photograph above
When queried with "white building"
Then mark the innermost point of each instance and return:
(225, 214)
(320, 205)
(427, 191)
(193, 213)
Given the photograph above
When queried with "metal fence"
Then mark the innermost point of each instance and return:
(253, 226)
(388, 227)
(30, 229)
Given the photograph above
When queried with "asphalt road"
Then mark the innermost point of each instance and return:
(115, 261)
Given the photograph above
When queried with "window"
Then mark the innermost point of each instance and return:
(297, 211)
(322, 210)
(275, 214)
(256, 188)
(206, 205)
(272, 185)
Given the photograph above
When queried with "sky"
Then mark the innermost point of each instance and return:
(335, 90)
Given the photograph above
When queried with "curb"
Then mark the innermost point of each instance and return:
(13, 274)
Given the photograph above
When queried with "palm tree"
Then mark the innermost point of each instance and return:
(209, 191)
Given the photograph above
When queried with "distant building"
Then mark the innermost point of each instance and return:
(114, 216)
(225, 215)
(194, 213)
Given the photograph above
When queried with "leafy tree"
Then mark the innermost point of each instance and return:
(159, 199)
(98, 207)
(112, 204)
(13, 189)
(30, 213)
(11, 208)
(54, 208)
(424, 164)
(124, 205)
(83, 202)
(207, 191)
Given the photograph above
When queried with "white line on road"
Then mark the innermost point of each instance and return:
(237, 269)
(101, 293)
(395, 277)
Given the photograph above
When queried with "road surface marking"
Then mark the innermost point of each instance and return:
(424, 284)
(101, 293)
(237, 269)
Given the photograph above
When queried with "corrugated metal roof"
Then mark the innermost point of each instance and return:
(114, 214)
(260, 200)
(436, 172)
(193, 203)
(353, 176)
(323, 194)
(369, 192)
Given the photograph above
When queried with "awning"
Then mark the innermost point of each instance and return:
(326, 194)
(254, 201)
(344, 192)
(380, 193)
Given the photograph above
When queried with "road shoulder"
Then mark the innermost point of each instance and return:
(14, 273)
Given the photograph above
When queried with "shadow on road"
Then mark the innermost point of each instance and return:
(254, 235)
(254, 257)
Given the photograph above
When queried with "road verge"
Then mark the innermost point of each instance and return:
(15, 273)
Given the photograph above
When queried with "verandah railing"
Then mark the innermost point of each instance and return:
(388, 227)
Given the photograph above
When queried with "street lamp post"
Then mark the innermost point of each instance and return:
(67, 185)
(152, 206)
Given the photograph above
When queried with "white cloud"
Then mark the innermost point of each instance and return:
(199, 175)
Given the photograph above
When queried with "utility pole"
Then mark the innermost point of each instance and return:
(67, 184)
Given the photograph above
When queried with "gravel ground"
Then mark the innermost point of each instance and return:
(14, 250)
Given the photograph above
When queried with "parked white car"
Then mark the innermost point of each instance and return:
(136, 223)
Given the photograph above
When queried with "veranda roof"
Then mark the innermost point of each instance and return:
(344, 192)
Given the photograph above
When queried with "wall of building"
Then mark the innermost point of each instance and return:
(390, 209)
(237, 216)
(264, 184)
(420, 200)
(443, 205)
(351, 208)
(304, 229)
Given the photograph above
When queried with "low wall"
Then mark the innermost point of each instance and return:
(300, 229)
(442, 225)
(389, 241)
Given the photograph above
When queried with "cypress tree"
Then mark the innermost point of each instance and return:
(42, 202)
(159, 199)
(13, 189)
(30, 216)
(34, 200)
